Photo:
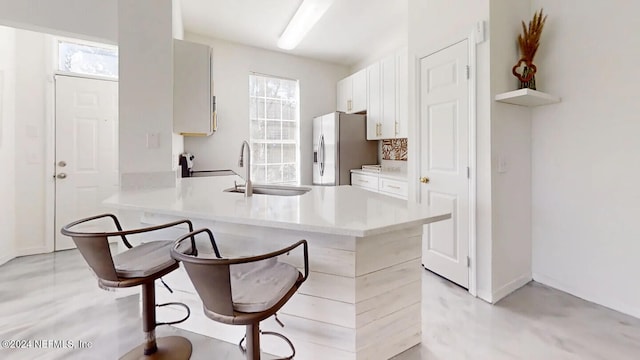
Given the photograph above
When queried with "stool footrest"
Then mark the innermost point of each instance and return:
(178, 321)
(293, 349)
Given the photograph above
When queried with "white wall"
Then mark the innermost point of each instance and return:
(433, 25)
(586, 153)
(511, 143)
(147, 142)
(232, 64)
(89, 19)
(30, 133)
(7, 144)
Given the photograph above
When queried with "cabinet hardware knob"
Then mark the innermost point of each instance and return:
(62, 176)
(62, 163)
(424, 179)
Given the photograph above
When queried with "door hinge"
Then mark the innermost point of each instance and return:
(468, 173)
(468, 261)
(468, 71)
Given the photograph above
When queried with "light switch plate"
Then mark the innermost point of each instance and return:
(153, 140)
(480, 32)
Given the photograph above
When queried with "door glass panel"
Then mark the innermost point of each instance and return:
(88, 60)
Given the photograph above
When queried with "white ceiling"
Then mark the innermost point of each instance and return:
(349, 32)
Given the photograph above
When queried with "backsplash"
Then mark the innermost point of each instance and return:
(394, 149)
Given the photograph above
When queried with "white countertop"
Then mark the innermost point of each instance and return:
(340, 210)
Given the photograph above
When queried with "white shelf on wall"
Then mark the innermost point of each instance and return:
(527, 97)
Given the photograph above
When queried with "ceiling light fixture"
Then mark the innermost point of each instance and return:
(308, 13)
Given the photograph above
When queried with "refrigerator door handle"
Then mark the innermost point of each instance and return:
(321, 155)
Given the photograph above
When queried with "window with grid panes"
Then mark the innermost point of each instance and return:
(274, 129)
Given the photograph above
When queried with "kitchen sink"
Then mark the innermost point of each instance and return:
(272, 190)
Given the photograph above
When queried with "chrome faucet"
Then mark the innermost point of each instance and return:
(248, 188)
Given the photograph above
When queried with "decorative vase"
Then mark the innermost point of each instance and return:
(527, 79)
(527, 84)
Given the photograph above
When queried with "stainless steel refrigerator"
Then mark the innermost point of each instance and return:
(339, 145)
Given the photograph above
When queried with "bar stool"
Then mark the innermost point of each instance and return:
(140, 265)
(242, 291)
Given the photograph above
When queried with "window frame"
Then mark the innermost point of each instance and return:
(56, 57)
(265, 119)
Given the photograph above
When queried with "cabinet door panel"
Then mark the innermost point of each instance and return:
(342, 96)
(402, 93)
(369, 182)
(388, 67)
(359, 88)
(374, 106)
(192, 102)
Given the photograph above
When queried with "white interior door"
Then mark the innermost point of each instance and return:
(444, 159)
(86, 149)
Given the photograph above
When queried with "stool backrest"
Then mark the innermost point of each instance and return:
(212, 276)
(94, 246)
(212, 280)
(96, 252)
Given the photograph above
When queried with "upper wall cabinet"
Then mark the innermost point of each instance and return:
(374, 102)
(193, 109)
(387, 86)
(352, 93)
(402, 93)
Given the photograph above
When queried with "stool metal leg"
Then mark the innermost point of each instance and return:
(164, 348)
(253, 342)
(149, 318)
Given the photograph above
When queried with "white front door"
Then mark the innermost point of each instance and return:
(86, 149)
(444, 159)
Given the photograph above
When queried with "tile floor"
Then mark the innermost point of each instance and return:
(55, 297)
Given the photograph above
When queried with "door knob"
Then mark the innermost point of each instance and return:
(62, 176)
(424, 179)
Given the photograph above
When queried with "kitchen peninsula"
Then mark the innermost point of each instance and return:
(362, 298)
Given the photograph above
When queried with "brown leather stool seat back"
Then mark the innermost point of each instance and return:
(139, 265)
(242, 291)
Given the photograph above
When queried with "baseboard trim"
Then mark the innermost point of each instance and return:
(599, 300)
(510, 287)
(5, 259)
(33, 251)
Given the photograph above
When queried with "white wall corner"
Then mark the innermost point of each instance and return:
(177, 23)
(605, 299)
(486, 295)
(511, 286)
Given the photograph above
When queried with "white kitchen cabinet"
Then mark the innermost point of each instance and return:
(388, 76)
(391, 185)
(387, 108)
(193, 108)
(374, 101)
(344, 90)
(402, 93)
(352, 93)
(366, 181)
